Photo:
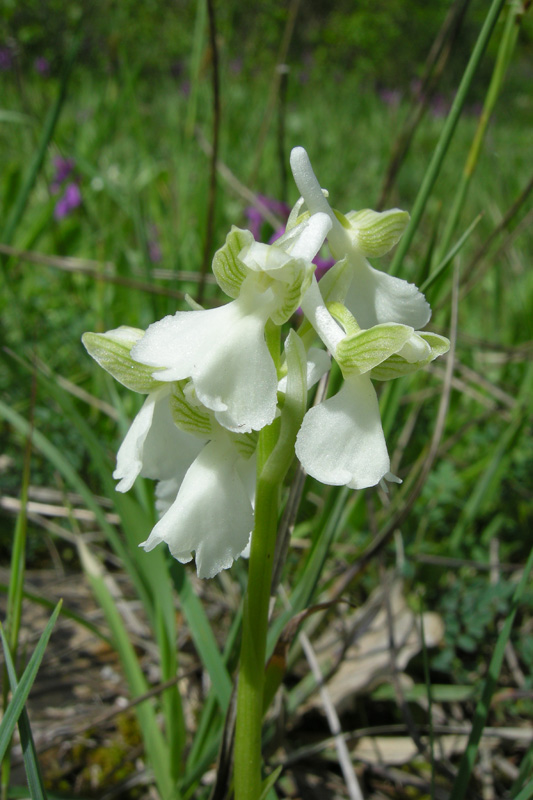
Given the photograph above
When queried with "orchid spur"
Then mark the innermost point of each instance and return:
(372, 296)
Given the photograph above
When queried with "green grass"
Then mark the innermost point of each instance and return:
(143, 178)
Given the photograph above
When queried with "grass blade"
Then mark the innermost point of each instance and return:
(20, 695)
(507, 44)
(526, 793)
(446, 136)
(31, 763)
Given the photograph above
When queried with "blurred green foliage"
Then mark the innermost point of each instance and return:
(383, 42)
(143, 182)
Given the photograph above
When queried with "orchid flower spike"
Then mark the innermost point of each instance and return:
(372, 296)
(341, 440)
(211, 382)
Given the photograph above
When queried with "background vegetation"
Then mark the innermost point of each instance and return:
(131, 88)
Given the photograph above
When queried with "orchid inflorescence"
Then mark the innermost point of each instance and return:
(215, 378)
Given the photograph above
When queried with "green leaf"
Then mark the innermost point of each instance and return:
(482, 709)
(31, 763)
(526, 793)
(35, 163)
(269, 782)
(17, 117)
(202, 634)
(20, 695)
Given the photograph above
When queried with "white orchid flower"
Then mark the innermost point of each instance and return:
(223, 350)
(206, 487)
(206, 476)
(372, 296)
(341, 441)
(206, 479)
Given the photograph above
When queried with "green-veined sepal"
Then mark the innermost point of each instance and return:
(360, 352)
(340, 314)
(111, 350)
(187, 413)
(290, 294)
(375, 233)
(228, 268)
(245, 443)
(396, 366)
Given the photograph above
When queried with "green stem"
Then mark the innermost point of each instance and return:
(255, 627)
(275, 453)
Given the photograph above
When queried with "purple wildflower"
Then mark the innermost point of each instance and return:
(256, 218)
(6, 59)
(235, 66)
(64, 167)
(70, 200)
(154, 250)
(42, 66)
(322, 265)
(440, 106)
(391, 97)
(177, 68)
(278, 233)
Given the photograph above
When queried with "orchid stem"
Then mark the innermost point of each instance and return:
(255, 626)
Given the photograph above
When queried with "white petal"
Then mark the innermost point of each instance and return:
(168, 451)
(154, 447)
(341, 440)
(415, 349)
(318, 363)
(176, 343)
(310, 189)
(224, 351)
(306, 239)
(129, 456)
(318, 315)
(237, 378)
(261, 257)
(375, 297)
(212, 514)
